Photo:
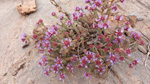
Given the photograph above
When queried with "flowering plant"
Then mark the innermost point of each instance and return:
(87, 40)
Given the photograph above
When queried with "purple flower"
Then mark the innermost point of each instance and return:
(87, 1)
(87, 75)
(61, 17)
(106, 25)
(46, 72)
(55, 68)
(119, 18)
(101, 18)
(62, 76)
(112, 58)
(23, 37)
(101, 69)
(67, 42)
(122, 1)
(69, 23)
(95, 25)
(114, 7)
(75, 17)
(70, 67)
(136, 36)
(90, 56)
(77, 8)
(81, 14)
(84, 61)
(40, 63)
(44, 60)
(98, 3)
(58, 61)
(74, 58)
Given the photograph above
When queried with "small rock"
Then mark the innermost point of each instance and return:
(132, 20)
(138, 16)
(27, 7)
(142, 49)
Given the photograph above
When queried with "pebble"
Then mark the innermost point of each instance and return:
(142, 49)
(138, 16)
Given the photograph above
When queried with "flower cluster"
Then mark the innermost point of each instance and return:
(87, 40)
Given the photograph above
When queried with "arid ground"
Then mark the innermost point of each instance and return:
(20, 66)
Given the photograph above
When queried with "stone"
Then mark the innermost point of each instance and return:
(138, 16)
(27, 7)
(132, 20)
(142, 49)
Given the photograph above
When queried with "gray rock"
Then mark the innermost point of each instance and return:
(138, 16)
(142, 49)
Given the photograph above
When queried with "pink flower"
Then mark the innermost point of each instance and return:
(84, 61)
(50, 50)
(121, 58)
(89, 56)
(98, 3)
(109, 44)
(106, 25)
(135, 62)
(114, 8)
(86, 7)
(117, 50)
(97, 56)
(66, 33)
(53, 14)
(78, 38)
(122, 1)
(87, 75)
(130, 65)
(91, 9)
(44, 60)
(77, 8)
(69, 23)
(98, 47)
(87, 1)
(98, 62)
(107, 39)
(136, 35)
(127, 23)
(40, 63)
(91, 46)
(95, 25)
(23, 37)
(46, 72)
(100, 37)
(79, 66)
(101, 18)
(58, 61)
(119, 18)
(40, 20)
(101, 69)
(127, 28)
(61, 17)
(67, 42)
(70, 67)
(81, 14)
(74, 58)
(62, 76)
(55, 68)
(105, 49)
(142, 42)
(128, 51)
(35, 36)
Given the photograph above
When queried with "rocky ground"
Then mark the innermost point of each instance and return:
(19, 66)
